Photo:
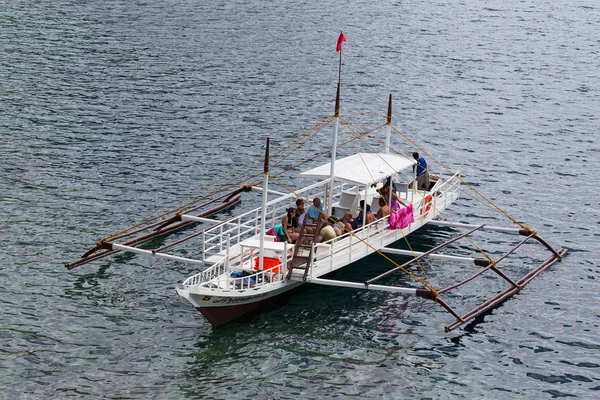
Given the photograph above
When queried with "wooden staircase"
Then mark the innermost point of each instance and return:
(304, 244)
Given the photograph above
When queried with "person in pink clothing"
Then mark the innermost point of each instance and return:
(384, 191)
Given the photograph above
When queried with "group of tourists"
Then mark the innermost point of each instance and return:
(292, 222)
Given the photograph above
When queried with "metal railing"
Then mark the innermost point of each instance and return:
(221, 277)
(248, 224)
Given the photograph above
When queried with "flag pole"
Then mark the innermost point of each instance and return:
(341, 39)
(337, 97)
(336, 122)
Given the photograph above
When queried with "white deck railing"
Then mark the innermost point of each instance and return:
(247, 225)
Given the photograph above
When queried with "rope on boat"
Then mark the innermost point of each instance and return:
(175, 208)
(487, 203)
(485, 254)
(244, 180)
(501, 211)
(295, 166)
(350, 129)
(384, 199)
(366, 114)
(359, 135)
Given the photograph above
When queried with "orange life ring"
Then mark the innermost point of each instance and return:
(426, 205)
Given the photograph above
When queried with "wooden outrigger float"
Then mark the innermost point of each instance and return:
(245, 268)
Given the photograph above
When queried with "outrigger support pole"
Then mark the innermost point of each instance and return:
(423, 293)
(263, 218)
(480, 262)
(423, 255)
(336, 122)
(514, 231)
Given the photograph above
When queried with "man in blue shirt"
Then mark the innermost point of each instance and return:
(315, 210)
(422, 172)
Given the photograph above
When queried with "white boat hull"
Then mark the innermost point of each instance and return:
(221, 309)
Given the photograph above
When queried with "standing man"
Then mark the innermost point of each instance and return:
(422, 173)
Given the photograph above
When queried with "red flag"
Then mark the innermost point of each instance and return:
(341, 40)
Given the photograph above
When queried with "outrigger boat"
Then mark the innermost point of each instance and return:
(243, 268)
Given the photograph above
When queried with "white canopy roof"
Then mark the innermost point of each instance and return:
(362, 168)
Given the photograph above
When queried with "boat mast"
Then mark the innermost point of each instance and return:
(336, 122)
(388, 132)
(263, 219)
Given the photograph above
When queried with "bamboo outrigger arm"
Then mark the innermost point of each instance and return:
(160, 228)
(418, 257)
(423, 293)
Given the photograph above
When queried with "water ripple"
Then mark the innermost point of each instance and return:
(110, 110)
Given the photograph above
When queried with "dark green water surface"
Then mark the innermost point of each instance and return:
(110, 110)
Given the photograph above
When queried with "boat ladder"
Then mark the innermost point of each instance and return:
(300, 260)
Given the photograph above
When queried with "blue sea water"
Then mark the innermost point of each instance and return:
(111, 110)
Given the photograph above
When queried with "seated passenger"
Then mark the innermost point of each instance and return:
(370, 216)
(279, 233)
(384, 191)
(315, 210)
(288, 225)
(358, 221)
(348, 221)
(384, 209)
(299, 218)
(327, 232)
(339, 228)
